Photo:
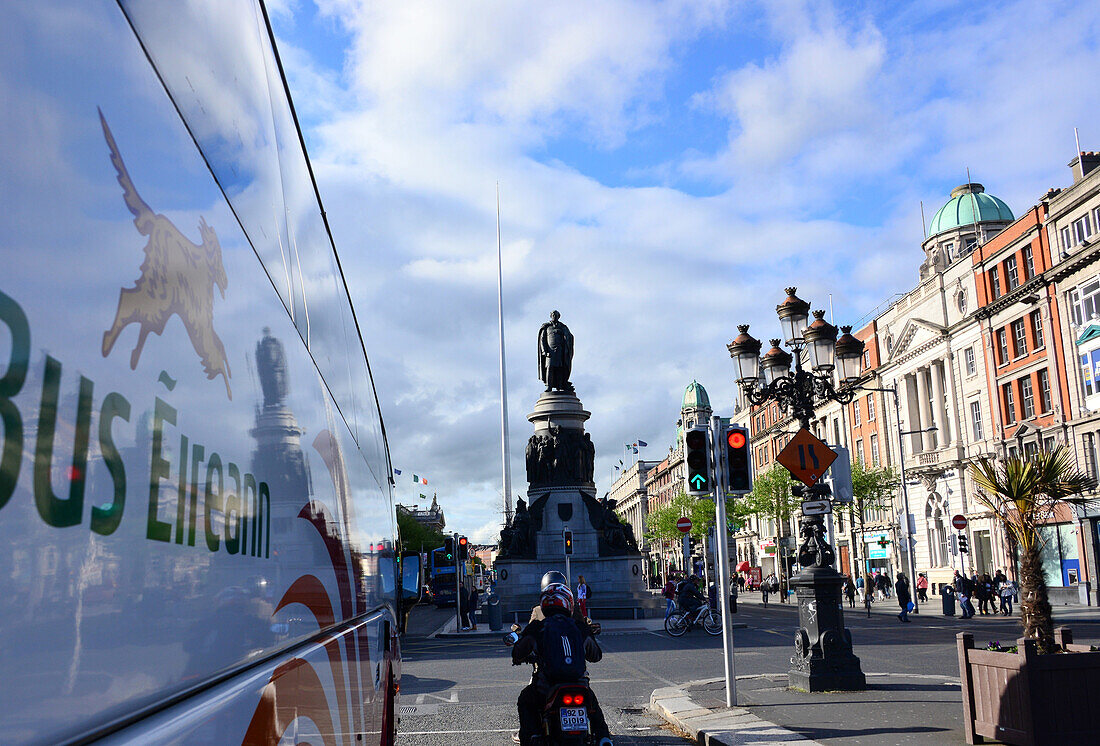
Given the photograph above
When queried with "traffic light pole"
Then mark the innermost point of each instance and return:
(458, 590)
(722, 554)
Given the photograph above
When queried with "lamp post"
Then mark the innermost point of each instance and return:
(823, 659)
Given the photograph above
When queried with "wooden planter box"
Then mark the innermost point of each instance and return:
(1027, 698)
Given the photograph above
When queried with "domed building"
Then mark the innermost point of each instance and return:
(695, 407)
(971, 216)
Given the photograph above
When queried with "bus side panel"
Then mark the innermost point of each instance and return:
(182, 494)
(293, 699)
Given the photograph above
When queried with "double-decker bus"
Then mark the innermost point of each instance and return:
(197, 529)
(441, 573)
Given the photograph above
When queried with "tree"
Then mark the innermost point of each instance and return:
(1023, 492)
(415, 536)
(661, 523)
(772, 497)
(873, 488)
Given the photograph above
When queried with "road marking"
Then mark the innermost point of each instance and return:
(451, 699)
(414, 710)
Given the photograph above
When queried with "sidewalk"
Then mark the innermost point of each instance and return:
(449, 630)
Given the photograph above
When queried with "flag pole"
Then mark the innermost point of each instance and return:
(507, 472)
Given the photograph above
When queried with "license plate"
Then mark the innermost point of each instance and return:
(574, 718)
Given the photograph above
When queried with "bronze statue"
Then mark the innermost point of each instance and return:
(555, 354)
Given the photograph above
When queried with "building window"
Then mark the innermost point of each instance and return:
(1031, 448)
(1090, 454)
(976, 419)
(859, 450)
(1012, 274)
(870, 407)
(855, 414)
(866, 359)
(1009, 403)
(874, 450)
(1067, 239)
(1019, 337)
(1002, 345)
(949, 249)
(1029, 263)
(1082, 229)
(961, 300)
(1044, 391)
(970, 244)
(1027, 397)
(1087, 383)
(994, 284)
(1084, 302)
(1037, 328)
(968, 357)
(1048, 444)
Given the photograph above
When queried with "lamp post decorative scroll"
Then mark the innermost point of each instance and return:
(823, 659)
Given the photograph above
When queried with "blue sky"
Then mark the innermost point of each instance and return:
(658, 162)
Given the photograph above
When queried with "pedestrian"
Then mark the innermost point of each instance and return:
(740, 582)
(463, 600)
(669, 592)
(859, 587)
(964, 589)
(850, 591)
(922, 587)
(901, 589)
(868, 592)
(1007, 592)
(770, 585)
(733, 597)
(583, 594)
(983, 591)
(472, 613)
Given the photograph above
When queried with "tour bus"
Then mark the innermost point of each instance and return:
(197, 531)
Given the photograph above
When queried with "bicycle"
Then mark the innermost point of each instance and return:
(680, 621)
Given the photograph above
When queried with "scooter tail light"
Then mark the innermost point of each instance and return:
(579, 699)
(567, 699)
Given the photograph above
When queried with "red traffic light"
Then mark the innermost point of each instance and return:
(736, 439)
(462, 541)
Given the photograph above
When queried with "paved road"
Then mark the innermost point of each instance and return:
(464, 690)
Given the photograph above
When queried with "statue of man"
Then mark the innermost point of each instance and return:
(555, 354)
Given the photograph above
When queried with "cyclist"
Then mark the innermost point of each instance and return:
(538, 638)
(688, 594)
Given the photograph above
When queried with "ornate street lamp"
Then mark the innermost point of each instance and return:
(823, 659)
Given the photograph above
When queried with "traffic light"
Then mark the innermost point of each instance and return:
(449, 549)
(964, 543)
(568, 536)
(738, 463)
(697, 462)
(463, 549)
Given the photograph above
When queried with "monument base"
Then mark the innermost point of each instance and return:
(823, 659)
(618, 587)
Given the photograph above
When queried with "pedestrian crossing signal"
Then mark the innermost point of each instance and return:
(738, 463)
(568, 536)
(449, 549)
(697, 462)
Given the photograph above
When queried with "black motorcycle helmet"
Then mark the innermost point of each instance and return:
(553, 577)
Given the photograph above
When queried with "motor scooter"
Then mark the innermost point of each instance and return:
(565, 720)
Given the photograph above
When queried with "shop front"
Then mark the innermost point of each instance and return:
(877, 553)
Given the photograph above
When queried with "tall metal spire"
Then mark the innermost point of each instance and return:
(507, 471)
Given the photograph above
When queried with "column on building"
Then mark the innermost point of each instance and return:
(942, 436)
(924, 403)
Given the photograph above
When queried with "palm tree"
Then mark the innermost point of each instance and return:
(1022, 492)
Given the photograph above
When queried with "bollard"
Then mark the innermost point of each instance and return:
(493, 610)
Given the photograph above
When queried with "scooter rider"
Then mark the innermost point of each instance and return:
(556, 601)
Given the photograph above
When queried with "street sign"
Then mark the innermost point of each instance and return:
(816, 507)
(806, 457)
(959, 521)
(684, 524)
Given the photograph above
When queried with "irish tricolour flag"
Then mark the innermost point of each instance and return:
(419, 479)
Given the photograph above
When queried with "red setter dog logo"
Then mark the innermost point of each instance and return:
(177, 279)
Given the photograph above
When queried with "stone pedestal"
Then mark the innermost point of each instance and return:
(561, 494)
(823, 659)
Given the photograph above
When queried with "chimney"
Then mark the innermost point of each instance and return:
(1083, 164)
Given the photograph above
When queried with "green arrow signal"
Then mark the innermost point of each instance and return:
(698, 480)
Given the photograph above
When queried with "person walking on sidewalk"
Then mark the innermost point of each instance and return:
(860, 587)
(472, 614)
(922, 587)
(770, 585)
(850, 591)
(868, 592)
(583, 593)
(1007, 591)
(901, 590)
(964, 588)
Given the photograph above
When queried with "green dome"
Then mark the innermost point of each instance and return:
(959, 210)
(695, 397)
